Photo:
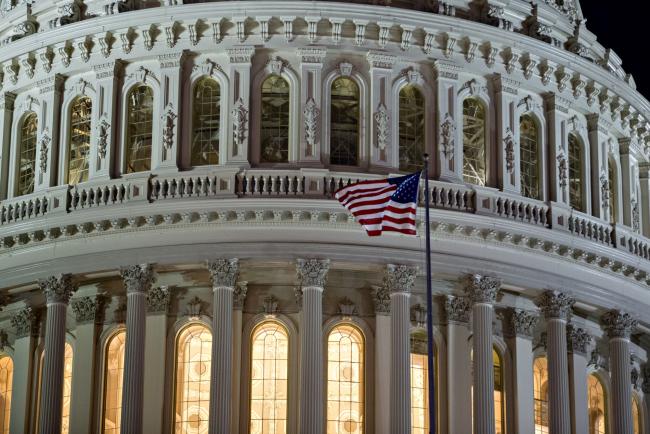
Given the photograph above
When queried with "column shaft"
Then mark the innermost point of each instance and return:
(382, 371)
(311, 372)
(458, 368)
(578, 386)
(558, 377)
(83, 384)
(236, 367)
(133, 380)
(154, 356)
(523, 385)
(221, 368)
(400, 378)
(483, 369)
(619, 352)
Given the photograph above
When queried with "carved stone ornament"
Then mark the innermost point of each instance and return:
(311, 114)
(419, 314)
(312, 272)
(604, 190)
(596, 360)
(275, 65)
(137, 278)
(158, 299)
(347, 308)
(529, 105)
(4, 340)
(239, 115)
(25, 323)
(618, 324)
(297, 292)
(636, 216)
(103, 131)
(224, 272)
(87, 309)
(239, 296)
(457, 309)
(382, 122)
(44, 144)
(57, 289)
(400, 278)
(270, 305)
(345, 69)
(194, 307)
(169, 124)
(563, 169)
(522, 323)
(447, 132)
(509, 142)
(482, 289)
(555, 304)
(577, 339)
(381, 299)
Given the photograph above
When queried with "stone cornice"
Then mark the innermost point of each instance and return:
(224, 272)
(312, 272)
(137, 278)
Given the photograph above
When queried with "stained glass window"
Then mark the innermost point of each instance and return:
(613, 190)
(636, 415)
(411, 129)
(193, 356)
(113, 377)
(206, 118)
(345, 380)
(274, 134)
(6, 385)
(597, 406)
(419, 385)
(27, 155)
(139, 127)
(79, 147)
(269, 379)
(344, 131)
(499, 401)
(529, 157)
(474, 142)
(575, 174)
(540, 391)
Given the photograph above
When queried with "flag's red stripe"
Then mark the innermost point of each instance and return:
(408, 220)
(355, 205)
(366, 193)
(400, 210)
(355, 185)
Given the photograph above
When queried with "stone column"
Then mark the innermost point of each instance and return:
(381, 297)
(88, 311)
(399, 280)
(25, 324)
(556, 307)
(224, 274)
(600, 147)
(6, 112)
(522, 324)
(482, 292)
(237, 323)
(312, 274)
(619, 326)
(137, 280)
(577, 342)
(155, 352)
(458, 364)
(58, 291)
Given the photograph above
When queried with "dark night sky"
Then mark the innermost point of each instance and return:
(623, 26)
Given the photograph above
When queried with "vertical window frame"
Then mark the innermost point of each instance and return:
(64, 176)
(8, 391)
(485, 107)
(535, 150)
(104, 371)
(20, 142)
(222, 119)
(576, 172)
(359, 114)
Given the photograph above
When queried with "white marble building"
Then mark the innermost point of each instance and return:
(144, 146)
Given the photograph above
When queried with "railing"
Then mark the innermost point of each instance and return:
(23, 209)
(189, 186)
(104, 194)
(492, 202)
(449, 196)
(591, 228)
(631, 242)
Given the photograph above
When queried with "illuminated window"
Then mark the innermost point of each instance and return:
(613, 190)
(636, 415)
(79, 146)
(474, 134)
(139, 126)
(529, 157)
(419, 384)
(345, 381)
(269, 378)
(274, 134)
(6, 384)
(411, 129)
(206, 122)
(499, 401)
(597, 406)
(344, 138)
(575, 174)
(193, 355)
(113, 377)
(540, 391)
(27, 155)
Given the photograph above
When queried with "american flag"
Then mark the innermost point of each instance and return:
(386, 205)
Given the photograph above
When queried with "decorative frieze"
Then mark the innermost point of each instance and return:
(312, 272)
(158, 299)
(312, 54)
(137, 278)
(457, 310)
(555, 304)
(577, 339)
(58, 289)
(482, 289)
(618, 324)
(88, 309)
(224, 272)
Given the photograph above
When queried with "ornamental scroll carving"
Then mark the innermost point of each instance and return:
(382, 121)
(482, 289)
(636, 216)
(618, 324)
(381, 299)
(137, 278)
(158, 299)
(555, 304)
(447, 132)
(57, 289)
(509, 142)
(169, 124)
(563, 169)
(604, 190)
(44, 148)
(103, 131)
(239, 115)
(270, 305)
(400, 278)
(224, 272)
(577, 339)
(194, 307)
(312, 272)
(347, 308)
(457, 309)
(311, 114)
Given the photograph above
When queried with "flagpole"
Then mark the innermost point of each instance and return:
(430, 354)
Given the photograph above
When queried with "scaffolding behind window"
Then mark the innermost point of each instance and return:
(529, 157)
(206, 118)
(274, 133)
(79, 147)
(575, 174)
(139, 127)
(411, 129)
(474, 142)
(27, 155)
(344, 130)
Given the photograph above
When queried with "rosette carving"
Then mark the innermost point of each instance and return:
(482, 289)
(555, 304)
(224, 272)
(618, 324)
(58, 289)
(400, 278)
(312, 272)
(137, 278)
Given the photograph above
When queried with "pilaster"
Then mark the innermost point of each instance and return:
(47, 147)
(557, 112)
(166, 154)
(507, 125)
(311, 103)
(6, 113)
(239, 105)
(381, 298)
(599, 129)
(644, 184)
(628, 178)
(25, 323)
(577, 342)
(450, 148)
(383, 152)
(239, 298)
(103, 150)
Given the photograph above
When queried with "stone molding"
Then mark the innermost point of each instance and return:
(521, 323)
(555, 304)
(457, 309)
(618, 324)
(224, 272)
(577, 339)
(158, 299)
(400, 278)
(482, 289)
(312, 272)
(58, 289)
(88, 309)
(137, 278)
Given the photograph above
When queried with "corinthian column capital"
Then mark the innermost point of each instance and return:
(137, 278)
(618, 324)
(400, 278)
(483, 289)
(58, 289)
(522, 323)
(224, 272)
(312, 272)
(555, 304)
(577, 339)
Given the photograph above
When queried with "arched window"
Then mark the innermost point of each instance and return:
(344, 130)
(113, 377)
(6, 385)
(27, 155)
(597, 406)
(139, 127)
(540, 392)
(636, 415)
(411, 129)
(269, 379)
(499, 393)
(345, 380)
(613, 190)
(575, 174)
(529, 157)
(193, 356)
(79, 146)
(474, 142)
(206, 122)
(419, 384)
(274, 134)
